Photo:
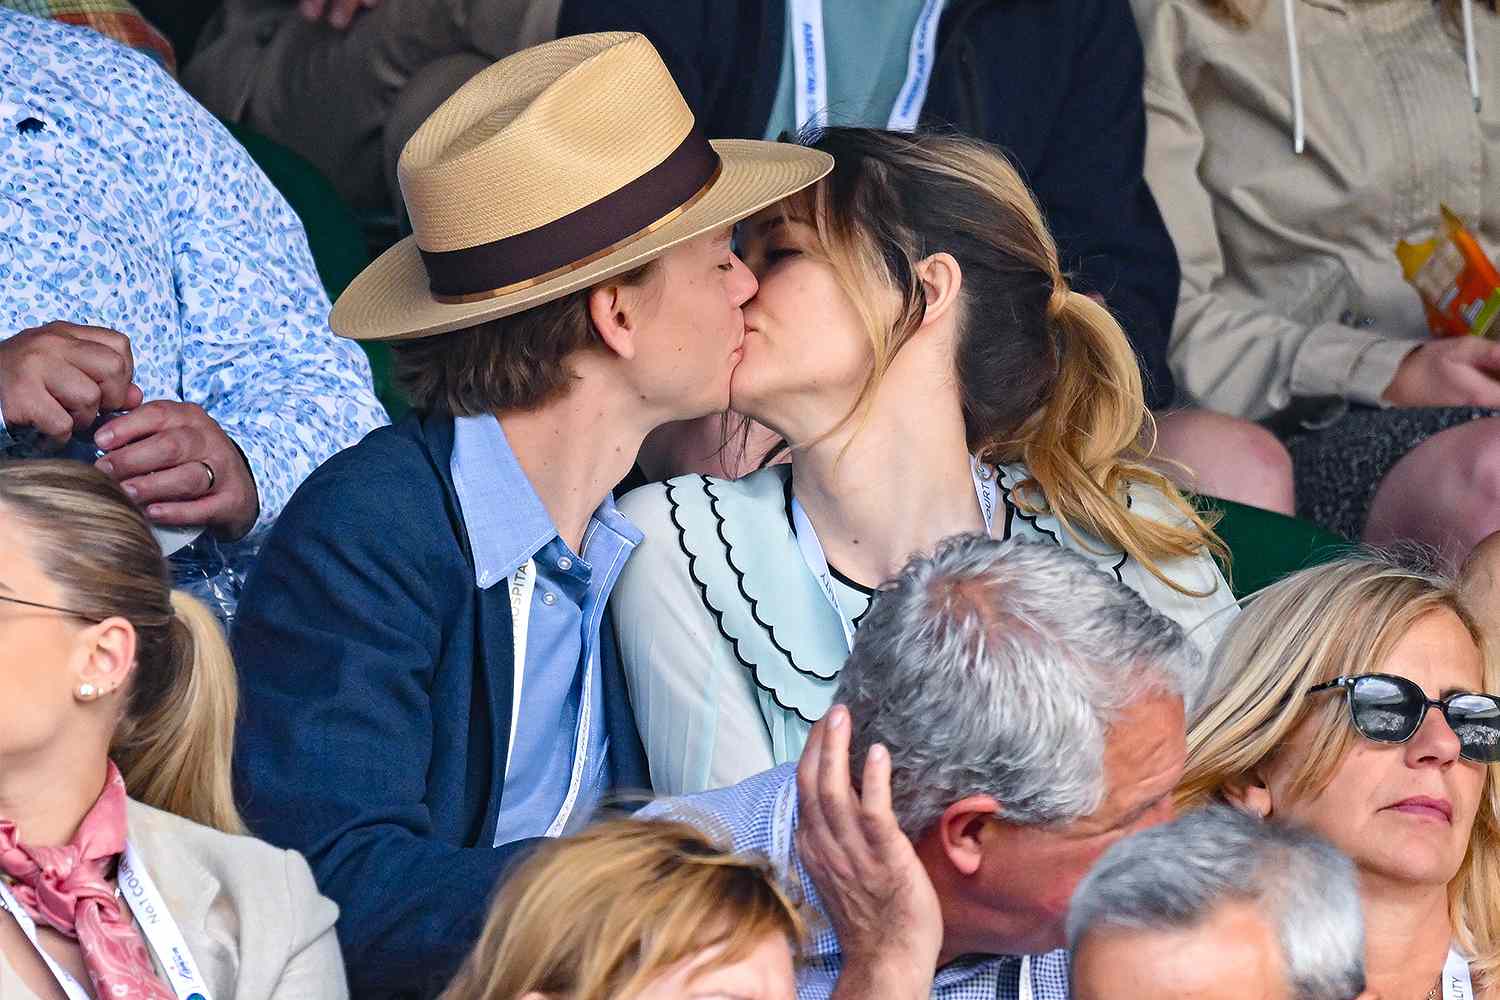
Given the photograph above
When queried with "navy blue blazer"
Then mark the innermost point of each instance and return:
(375, 694)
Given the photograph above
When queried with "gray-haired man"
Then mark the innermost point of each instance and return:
(1015, 712)
(1219, 905)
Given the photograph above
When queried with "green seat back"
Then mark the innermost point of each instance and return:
(1265, 546)
(333, 234)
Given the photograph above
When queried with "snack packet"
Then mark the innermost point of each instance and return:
(1460, 287)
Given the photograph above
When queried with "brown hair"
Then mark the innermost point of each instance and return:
(1046, 376)
(176, 734)
(600, 914)
(516, 362)
(1342, 618)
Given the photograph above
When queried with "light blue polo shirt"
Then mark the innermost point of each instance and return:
(507, 524)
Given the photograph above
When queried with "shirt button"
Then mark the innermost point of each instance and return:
(549, 599)
(565, 564)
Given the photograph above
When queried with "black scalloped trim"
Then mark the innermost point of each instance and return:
(1012, 507)
(739, 581)
(718, 616)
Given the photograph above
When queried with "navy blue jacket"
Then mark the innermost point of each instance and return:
(375, 706)
(1055, 83)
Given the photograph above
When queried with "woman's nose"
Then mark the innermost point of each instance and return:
(1434, 741)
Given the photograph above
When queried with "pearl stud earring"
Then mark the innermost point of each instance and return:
(87, 692)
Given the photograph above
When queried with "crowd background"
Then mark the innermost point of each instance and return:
(452, 652)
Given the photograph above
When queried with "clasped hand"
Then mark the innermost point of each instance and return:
(58, 378)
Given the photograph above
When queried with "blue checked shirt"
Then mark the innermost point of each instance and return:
(760, 815)
(124, 204)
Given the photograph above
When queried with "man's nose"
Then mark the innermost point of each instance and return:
(742, 282)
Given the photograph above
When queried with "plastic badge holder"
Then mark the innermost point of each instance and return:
(199, 565)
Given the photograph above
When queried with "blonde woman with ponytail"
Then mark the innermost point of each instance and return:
(124, 872)
(916, 345)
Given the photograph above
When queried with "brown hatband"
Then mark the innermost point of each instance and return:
(510, 264)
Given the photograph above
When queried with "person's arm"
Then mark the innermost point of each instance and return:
(1231, 352)
(1091, 186)
(338, 638)
(877, 893)
(314, 969)
(256, 352)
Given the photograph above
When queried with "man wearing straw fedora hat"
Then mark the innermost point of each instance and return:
(426, 682)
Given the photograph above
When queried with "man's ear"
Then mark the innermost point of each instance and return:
(963, 832)
(1250, 794)
(942, 281)
(617, 312)
(104, 659)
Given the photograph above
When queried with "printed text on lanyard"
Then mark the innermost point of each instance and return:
(810, 66)
(521, 585)
(150, 910)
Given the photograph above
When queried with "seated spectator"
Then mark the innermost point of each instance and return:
(1217, 905)
(957, 383)
(1358, 699)
(149, 266)
(429, 672)
(113, 685)
(1013, 711)
(1294, 310)
(631, 909)
(346, 83)
(1057, 86)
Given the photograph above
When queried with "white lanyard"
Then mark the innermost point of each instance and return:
(817, 561)
(810, 65)
(150, 910)
(521, 586)
(1456, 982)
(1026, 990)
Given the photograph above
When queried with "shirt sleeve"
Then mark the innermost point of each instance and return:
(256, 350)
(695, 707)
(1230, 351)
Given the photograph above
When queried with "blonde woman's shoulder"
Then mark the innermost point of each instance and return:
(251, 913)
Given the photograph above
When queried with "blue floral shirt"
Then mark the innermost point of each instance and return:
(124, 204)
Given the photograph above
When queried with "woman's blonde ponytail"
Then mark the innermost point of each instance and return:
(176, 754)
(1082, 447)
(176, 732)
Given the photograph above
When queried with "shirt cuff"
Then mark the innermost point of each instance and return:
(6, 438)
(1354, 364)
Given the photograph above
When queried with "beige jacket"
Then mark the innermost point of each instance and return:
(1276, 247)
(250, 914)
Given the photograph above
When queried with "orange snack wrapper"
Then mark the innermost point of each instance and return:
(1459, 285)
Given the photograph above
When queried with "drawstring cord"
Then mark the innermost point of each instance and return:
(1470, 60)
(1299, 123)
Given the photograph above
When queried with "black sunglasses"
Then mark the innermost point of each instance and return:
(1390, 709)
(48, 607)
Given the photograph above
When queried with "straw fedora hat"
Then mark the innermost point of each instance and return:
(552, 170)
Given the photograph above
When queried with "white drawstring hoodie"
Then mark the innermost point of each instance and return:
(1290, 287)
(1299, 131)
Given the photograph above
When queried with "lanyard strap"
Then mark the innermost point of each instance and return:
(150, 910)
(810, 66)
(1026, 989)
(1456, 982)
(521, 586)
(817, 560)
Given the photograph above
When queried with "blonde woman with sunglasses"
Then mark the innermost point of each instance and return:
(1357, 699)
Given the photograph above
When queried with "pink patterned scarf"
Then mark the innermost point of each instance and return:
(65, 888)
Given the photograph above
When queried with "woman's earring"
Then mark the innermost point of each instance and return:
(87, 692)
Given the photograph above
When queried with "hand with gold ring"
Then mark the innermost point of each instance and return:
(176, 462)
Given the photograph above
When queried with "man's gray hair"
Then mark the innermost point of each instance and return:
(1174, 877)
(996, 668)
